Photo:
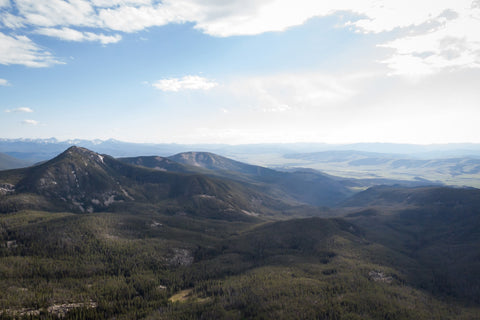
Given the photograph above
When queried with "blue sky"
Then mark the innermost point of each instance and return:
(191, 71)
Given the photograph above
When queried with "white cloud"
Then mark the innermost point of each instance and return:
(429, 35)
(74, 35)
(12, 21)
(21, 50)
(4, 82)
(4, 3)
(53, 13)
(21, 109)
(132, 19)
(30, 122)
(113, 3)
(452, 45)
(185, 83)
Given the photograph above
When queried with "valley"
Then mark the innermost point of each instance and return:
(201, 236)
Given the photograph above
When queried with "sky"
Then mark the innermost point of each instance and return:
(241, 71)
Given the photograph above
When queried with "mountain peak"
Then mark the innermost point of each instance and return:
(81, 153)
(210, 161)
(79, 177)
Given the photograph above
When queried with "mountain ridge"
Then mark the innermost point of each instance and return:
(301, 185)
(84, 181)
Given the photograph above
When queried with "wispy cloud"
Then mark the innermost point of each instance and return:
(57, 13)
(30, 122)
(4, 82)
(69, 34)
(21, 110)
(185, 83)
(453, 43)
(21, 50)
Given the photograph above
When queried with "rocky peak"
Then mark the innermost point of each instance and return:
(80, 153)
(79, 177)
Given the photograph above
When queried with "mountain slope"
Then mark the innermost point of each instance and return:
(215, 162)
(159, 163)
(419, 196)
(436, 227)
(304, 186)
(84, 181)
(8, 162)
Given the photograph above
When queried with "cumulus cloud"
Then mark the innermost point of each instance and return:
(185, 83)
(30, 122)
(21, 109)
(74, 35)
(4, 82)
(21, 50)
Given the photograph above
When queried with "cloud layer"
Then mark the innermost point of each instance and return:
(429, 36)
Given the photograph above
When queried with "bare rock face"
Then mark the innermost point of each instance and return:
(60, 310)
(181, 257)
(6, 188)
(379, 276)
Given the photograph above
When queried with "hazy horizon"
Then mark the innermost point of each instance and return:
(73, 140)
(241, 72)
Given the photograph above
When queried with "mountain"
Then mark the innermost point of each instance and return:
(450, 164)
(176, 241)
(215, 162)
(160, 163)
(8, 162)
(301, 186)
(85, 181)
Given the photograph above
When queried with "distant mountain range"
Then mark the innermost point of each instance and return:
(44, 149)
(461, 171)
(451, 164)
